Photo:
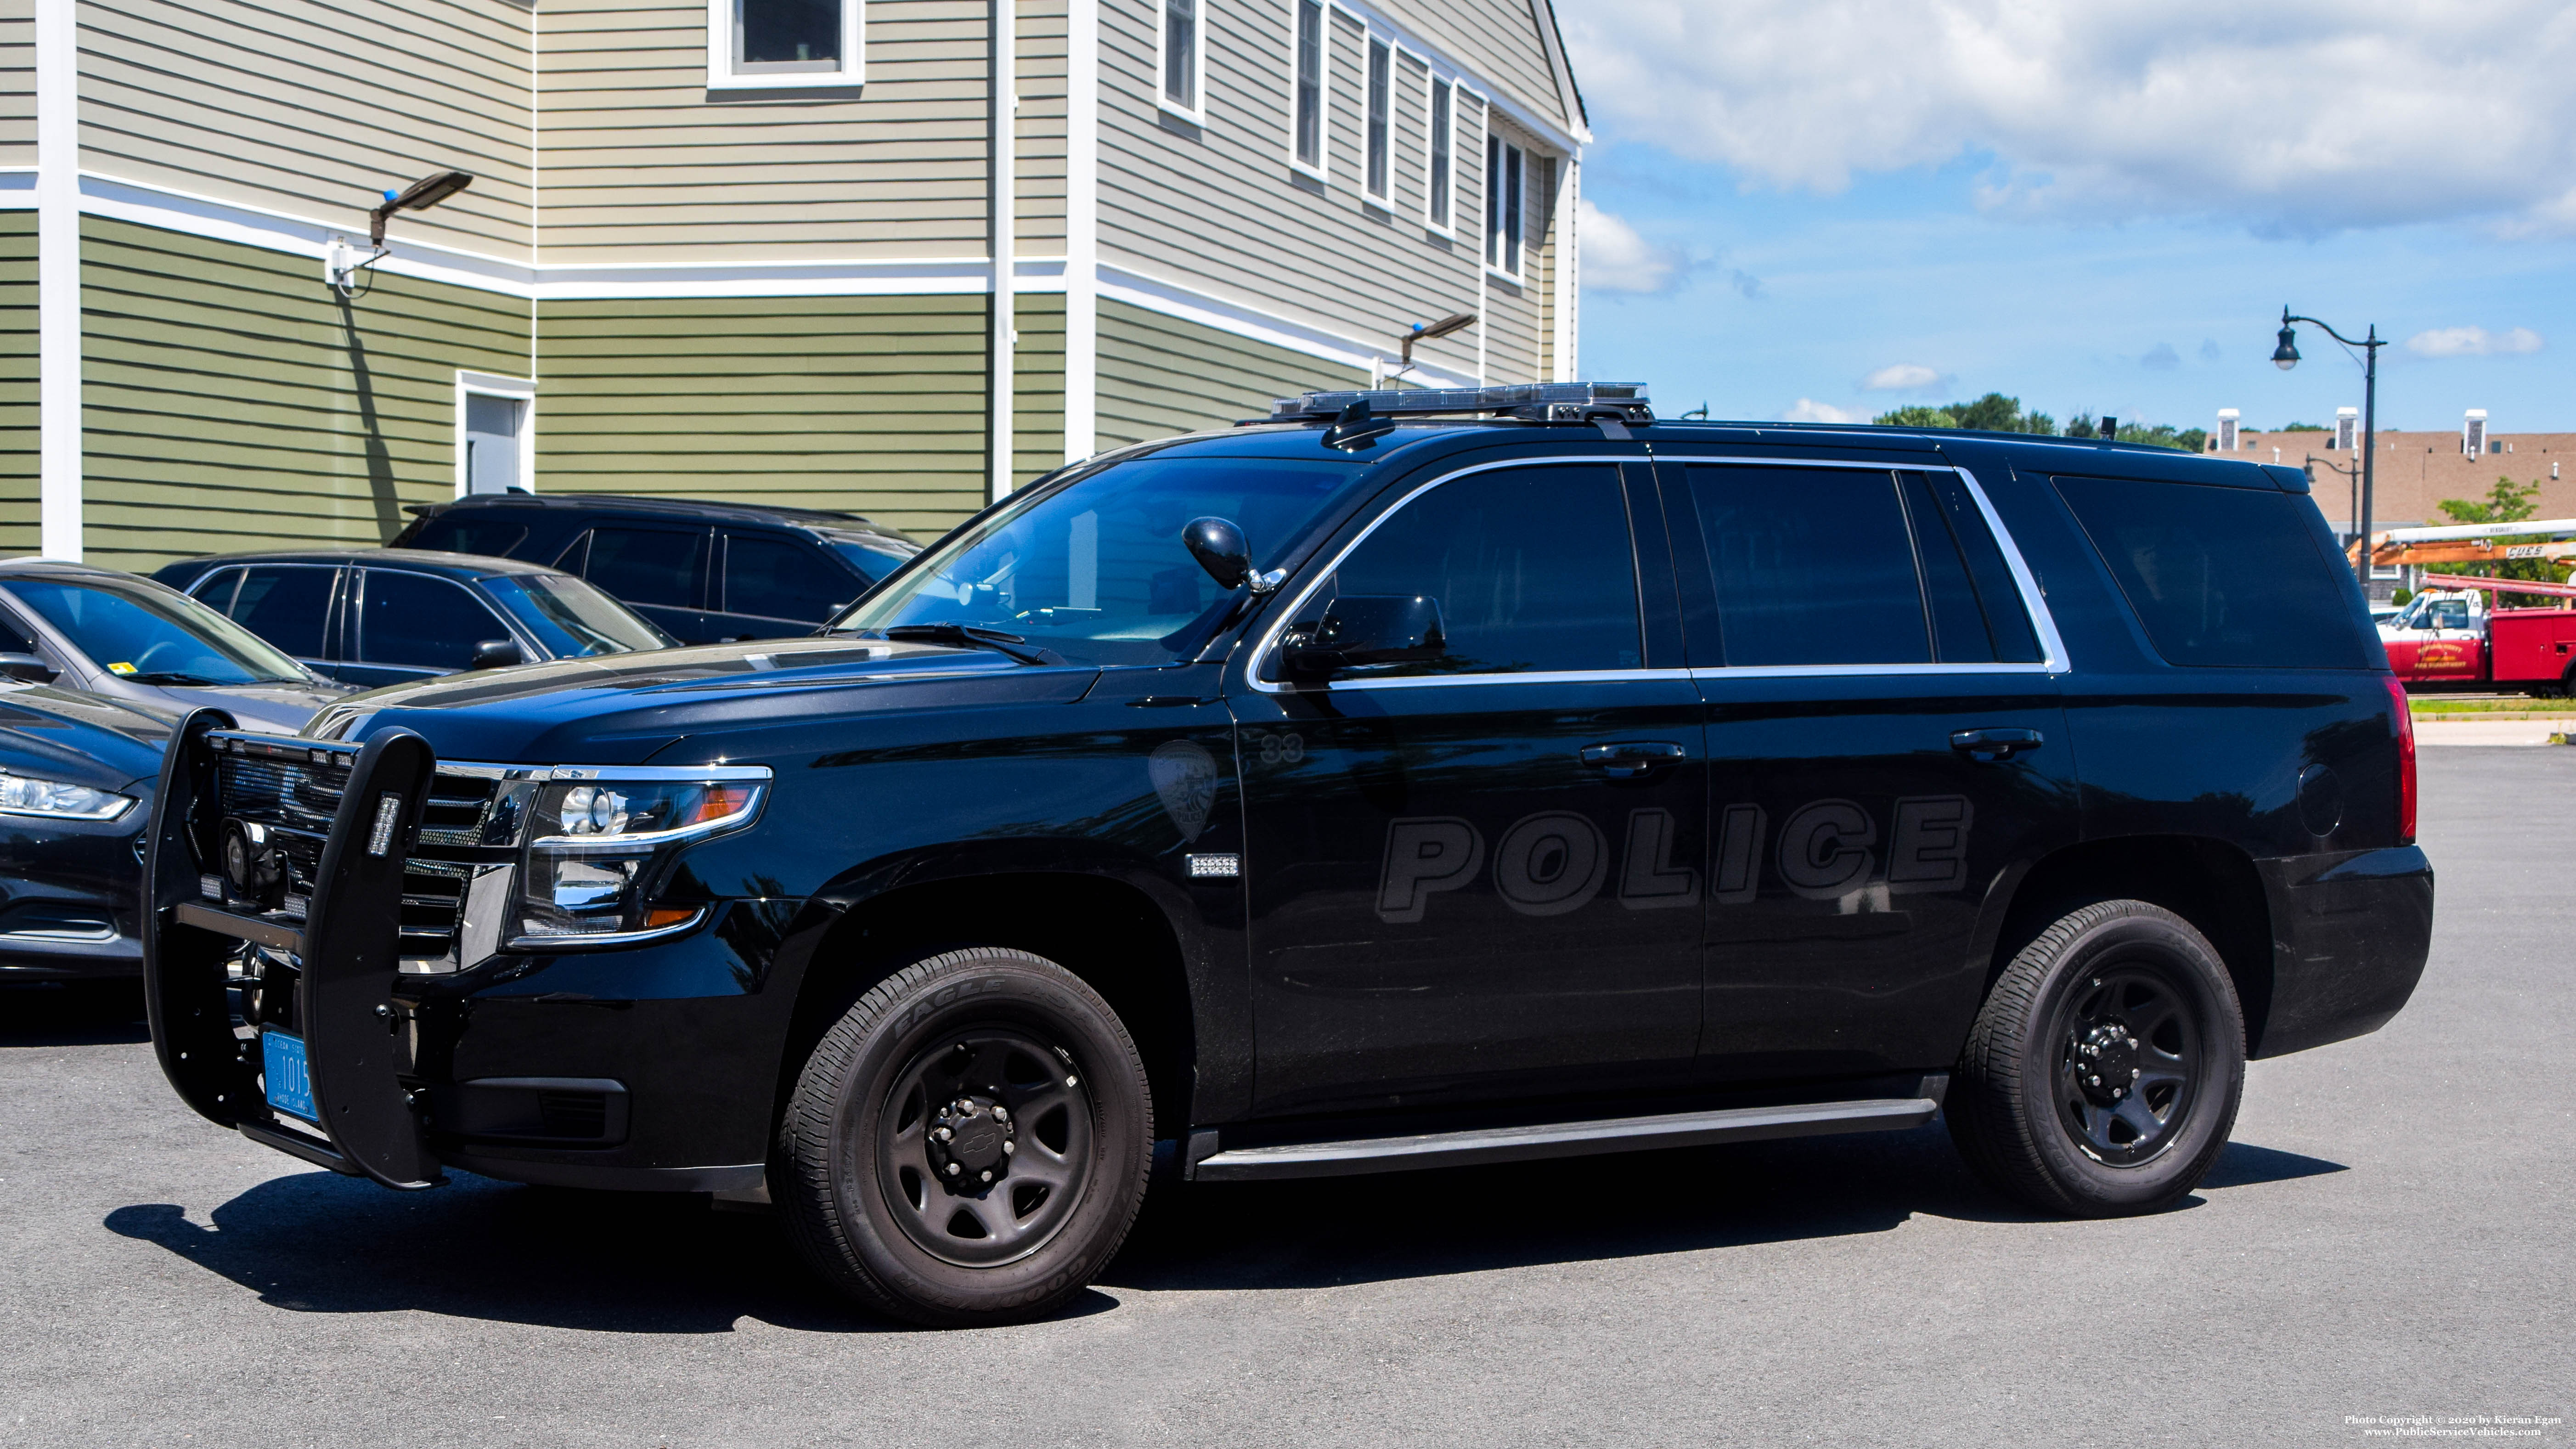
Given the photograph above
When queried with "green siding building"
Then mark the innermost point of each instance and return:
(891, 256)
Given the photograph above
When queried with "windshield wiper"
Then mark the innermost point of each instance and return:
(177, 677)
(965, 636)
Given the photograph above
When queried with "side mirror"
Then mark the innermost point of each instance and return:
(1220, 547)
(26, 669)
(1364, 629)
(495, 654)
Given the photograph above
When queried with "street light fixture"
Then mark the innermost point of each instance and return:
(2286, 356)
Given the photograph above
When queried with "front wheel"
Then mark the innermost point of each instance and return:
(968, 1144)
(2103, 1074)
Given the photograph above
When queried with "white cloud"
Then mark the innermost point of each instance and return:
(2301, 116)
(2472, 342)
(2161, 358)
(1808, 410)
(1902, 377)
(1615, 258)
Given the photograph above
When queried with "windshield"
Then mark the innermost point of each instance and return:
(1095, 570)
(153, 637)
(571, 618)
(873, 556)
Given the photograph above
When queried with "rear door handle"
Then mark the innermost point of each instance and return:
(1626, 758)
(1990, 745)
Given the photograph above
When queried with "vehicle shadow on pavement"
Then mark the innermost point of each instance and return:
(104, 1014)
(1334, 1231)
(316, 1242)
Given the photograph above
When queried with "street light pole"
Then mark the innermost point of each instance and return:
(2352, 479)
(2286, 356)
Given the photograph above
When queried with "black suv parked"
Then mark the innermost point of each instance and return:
(390, 615)
(1344, 794)
(704, 572)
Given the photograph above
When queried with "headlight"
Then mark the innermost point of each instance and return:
(603, 847)
(54, 800)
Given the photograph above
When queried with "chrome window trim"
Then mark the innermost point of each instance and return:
(1279, 623)
(2052, 645)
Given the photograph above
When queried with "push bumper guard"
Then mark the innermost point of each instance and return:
(346, 947)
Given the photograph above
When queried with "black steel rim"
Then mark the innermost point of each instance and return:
(984, 1145)
(2130, 1062)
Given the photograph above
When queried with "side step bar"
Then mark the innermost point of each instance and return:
(1569, 1139)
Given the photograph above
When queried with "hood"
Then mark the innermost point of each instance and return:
(622, 709)
(83, 739)
(280, 707)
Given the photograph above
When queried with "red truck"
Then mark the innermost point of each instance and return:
(2449, 637)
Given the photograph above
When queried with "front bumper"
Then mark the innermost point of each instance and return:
(67, 899)
(648, 1067)
(2350, 935)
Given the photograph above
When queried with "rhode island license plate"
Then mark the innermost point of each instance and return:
(290, 1086)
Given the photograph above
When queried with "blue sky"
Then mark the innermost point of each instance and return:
(1771, 237)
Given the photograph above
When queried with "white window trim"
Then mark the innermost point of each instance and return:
(1322, 170)
(720, 71)
(1370, 39)
(1485, 239)
(1195, 115)
(492, 384)
(1434, 78)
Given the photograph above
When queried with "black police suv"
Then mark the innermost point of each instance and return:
(389, 616)
(77, 773)
(1513, 776)
(706, 572)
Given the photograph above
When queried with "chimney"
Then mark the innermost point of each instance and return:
(2347, 430)
(2227, 429)
(2473, 432)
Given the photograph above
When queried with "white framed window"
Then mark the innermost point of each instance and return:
(1378, 145)
(1309, 57)
(1440, 152)
(496, 435)
(1180, 58)
(1504, 165)
(784, 44)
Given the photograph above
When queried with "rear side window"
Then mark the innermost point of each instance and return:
(779, 579)
(646, 565)
(2220, 576)
(285, 604)
(467, 533)
(426, 623)
(1835, 566)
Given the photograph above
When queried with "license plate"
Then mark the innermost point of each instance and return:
(290, 1086)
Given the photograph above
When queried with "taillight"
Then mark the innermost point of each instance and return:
(2405, 760)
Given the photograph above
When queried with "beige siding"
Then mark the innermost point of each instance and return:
(231, 401)
(1160, 376)
(312, 107)
(1498, 39)
(18, 470)
(1218, 209)
(642, 162)
(17, 82)
(875, 404)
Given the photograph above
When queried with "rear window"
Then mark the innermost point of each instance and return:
(468, 533)
(2219, 576)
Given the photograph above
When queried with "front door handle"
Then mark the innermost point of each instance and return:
(1989, 745)
(1629, 758)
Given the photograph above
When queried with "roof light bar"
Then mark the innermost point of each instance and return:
(1545, 402)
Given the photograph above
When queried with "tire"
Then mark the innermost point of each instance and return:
(1048, 1136)
(2038, 1105)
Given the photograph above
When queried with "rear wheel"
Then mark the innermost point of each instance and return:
(969, 1142)
(2103, 1074)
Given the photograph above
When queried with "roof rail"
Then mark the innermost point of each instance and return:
(1536, 402)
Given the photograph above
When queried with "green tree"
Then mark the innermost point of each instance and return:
(1916, 417)
(2159, 435)
(2304, 428)
(1993, 413)
(2506, 502)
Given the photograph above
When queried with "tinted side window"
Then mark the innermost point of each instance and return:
(1812, 566)
(646, 565)
(420, 621)
(2219, 576)
(287, 605)
(468, 533)
(15, 636)
(1532, 568)
(780, 579)
(1977, 614)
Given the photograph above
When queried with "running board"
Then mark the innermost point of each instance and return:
(1569, 1139)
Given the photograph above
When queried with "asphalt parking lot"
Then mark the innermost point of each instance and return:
(2390, 1235)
